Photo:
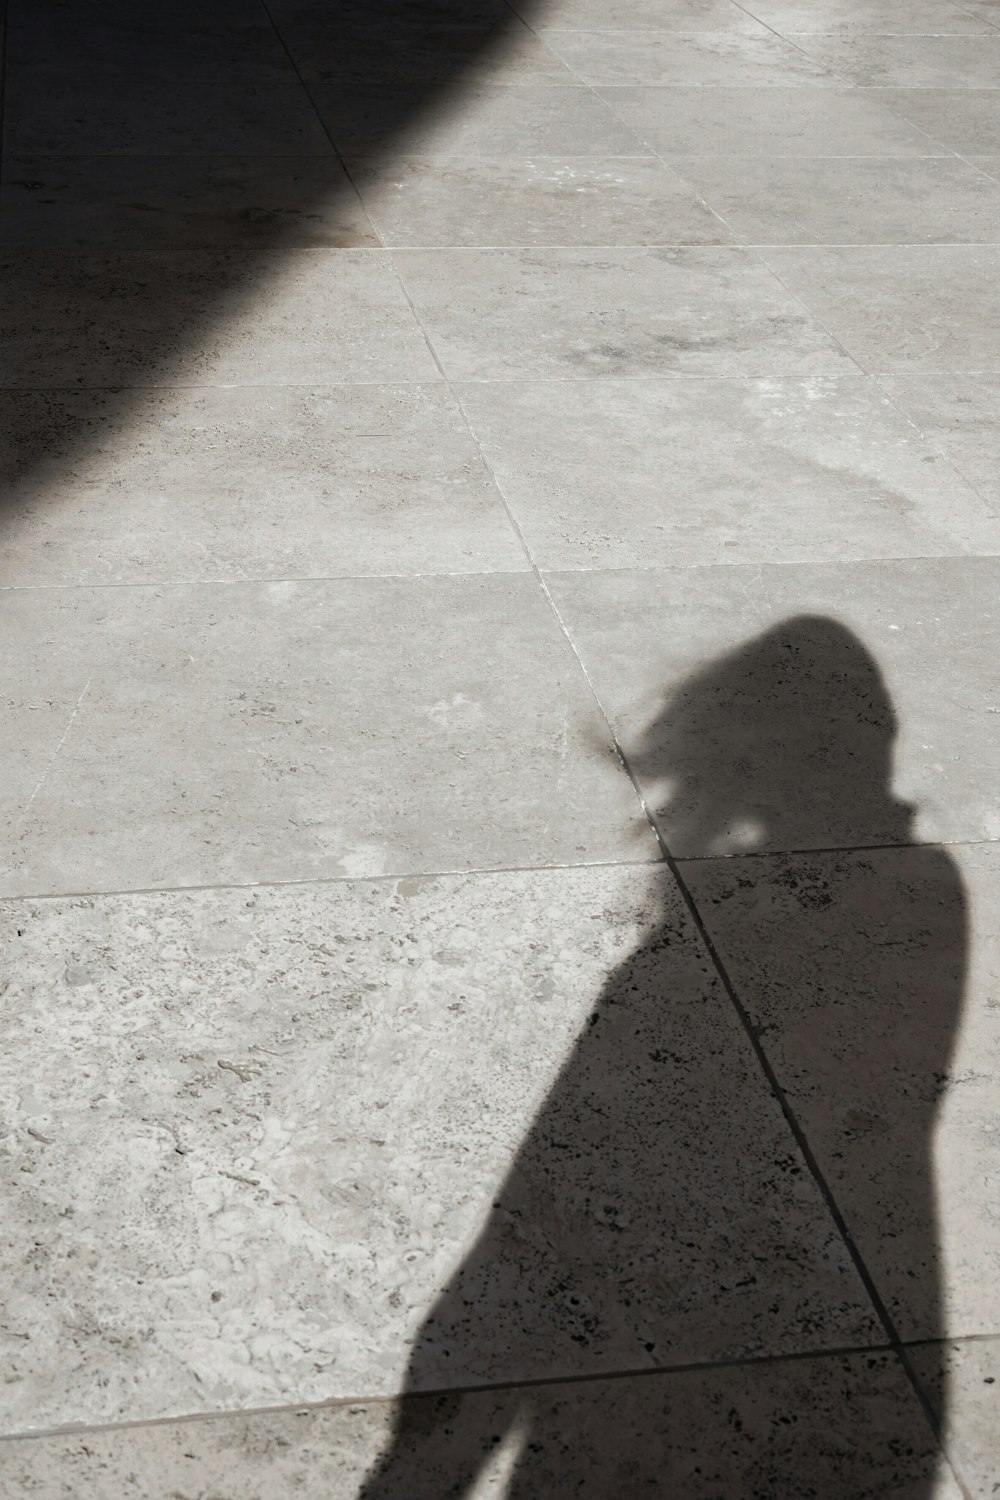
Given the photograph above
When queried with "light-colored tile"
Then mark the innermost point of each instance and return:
(909, 62)
(292, 730)
(885, 17)
(799, 707)
(473, 120)
(846, 1426)
(515, 314)
(646, 474)
(769, 122)
(988, 164)
(963, 1382)
(964, 120)
(984, 10)
(208, 316)
(149, 202)
(872, 981)
(730, 58)
(640, 15)
(230, 483)
(961, 414)
(898, 308)
(833, 201)
(537, 201)
(296, 1144)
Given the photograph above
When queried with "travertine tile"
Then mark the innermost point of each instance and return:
(483, 119)
(231, 483)
(963, 1381)
(106, 107)
(965, 120)
(640, 15)
(729, 58)
(489, 44)
(872, 981)
(837, 1427)
(148, 202)
(292, 1144)
(245, 732)
(901, 307)
(770, 122)
(660, 473)
(885, 17)
(961, 413)
(515, 314)
(908, 62)
(799, 707)
(833, 201)
(537, 201)
(209, 316)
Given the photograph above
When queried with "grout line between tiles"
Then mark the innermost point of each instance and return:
(335, 1403)
(481, 871)
(511, 573)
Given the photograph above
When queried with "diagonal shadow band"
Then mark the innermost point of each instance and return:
(167, 167)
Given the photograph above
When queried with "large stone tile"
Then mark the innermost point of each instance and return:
(769, 122)
(965, 120)
(799, 707)
(909, 62)
(893, 200)
(149, 202)
(230, 483)
(961, 413)
(207, 316)
(871, 979)
(984, 10)
(885, 17)
(732, 58)
(988, 164)
(514, 314)
(846, 1428)
(901, 307)
(647, 474)
(477, 120)
(640, 15)
(962, 1381)
(531, 201)
(237, 733)
(298, 1143)
(477, 44)
(58, 108)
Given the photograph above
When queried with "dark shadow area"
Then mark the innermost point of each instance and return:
(659, 1213)
(159, 158)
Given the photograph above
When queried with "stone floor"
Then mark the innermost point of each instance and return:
(500, 536)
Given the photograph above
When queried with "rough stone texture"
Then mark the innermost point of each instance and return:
(859, 1434)
(250, 1086)
(963, 1381)
(873, 980)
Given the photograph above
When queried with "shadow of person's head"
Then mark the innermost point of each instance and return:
(784, 743)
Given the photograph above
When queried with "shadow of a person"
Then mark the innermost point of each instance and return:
(659, 1213)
